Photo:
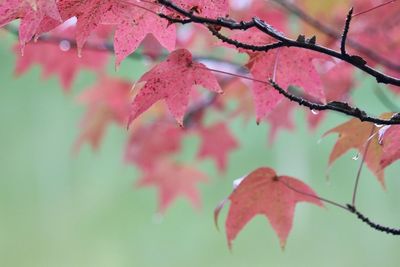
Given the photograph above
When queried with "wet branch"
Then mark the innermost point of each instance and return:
(378, 227)
(360, 48)
(340, 107)
(214, 26)
(350, 208)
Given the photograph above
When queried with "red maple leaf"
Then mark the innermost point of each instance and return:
(133, 21)
(88, 14)
(172, 80)
(60, 59)
(173, 180)
(280, 118)
(148, 144)
(264, 192)
(390, 141)
(31, 13)
(338, 80)
(355, 134)
(217, 142)
(134, 24)
(107, 102)
(287, 66)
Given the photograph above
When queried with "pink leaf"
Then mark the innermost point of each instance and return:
(173, 180)
(264, 192)
(172, 80)
(217, 142)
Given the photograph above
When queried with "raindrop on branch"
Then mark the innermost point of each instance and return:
(65, 45)
(315, 112)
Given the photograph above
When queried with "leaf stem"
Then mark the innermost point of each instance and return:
(364, 155)
(314, 196)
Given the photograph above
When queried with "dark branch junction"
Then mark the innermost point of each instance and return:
(214, 26)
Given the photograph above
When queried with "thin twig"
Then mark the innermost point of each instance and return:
(364, 156)
(373, 8)
(346, 32)
(349, 208)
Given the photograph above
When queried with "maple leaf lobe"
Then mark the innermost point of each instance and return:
(264, 192)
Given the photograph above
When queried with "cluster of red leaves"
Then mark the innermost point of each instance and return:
(154, 138)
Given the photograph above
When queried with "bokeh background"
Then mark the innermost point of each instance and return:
(59, 209)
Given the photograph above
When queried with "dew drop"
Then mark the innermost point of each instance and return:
(381, 133)
(65, 45)
(319, 141)
(356, 156)
(315, 112)
(378, 125)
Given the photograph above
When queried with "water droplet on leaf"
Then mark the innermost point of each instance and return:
(237, 182)
(356, 156)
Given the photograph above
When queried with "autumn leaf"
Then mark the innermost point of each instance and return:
(133, 24)
(150, 143)
(264, 192)
(217, 142)
(172, 80)
(107, 102)
(280, 65)
(88, 14)
(338, 81)
(388, 138)
(173, 180)
(355, 134)
(50, 55)
(280, 118)
(32, 13)
(133, 21)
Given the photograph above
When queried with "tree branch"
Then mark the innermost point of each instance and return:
(264, 27)
(336, 35)
(340, 107)
(376, 226)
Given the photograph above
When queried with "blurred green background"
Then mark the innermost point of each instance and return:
(57, 209)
